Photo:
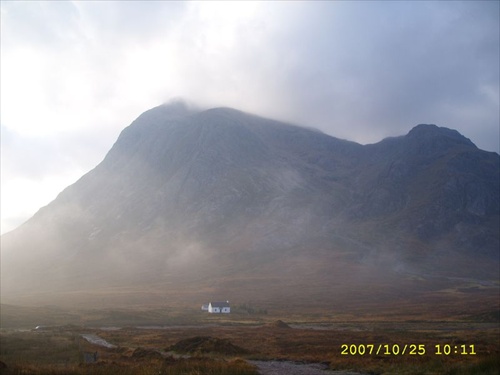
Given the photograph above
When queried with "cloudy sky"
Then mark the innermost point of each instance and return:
(75, 73)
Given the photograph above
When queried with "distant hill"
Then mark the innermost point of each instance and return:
(219, 199)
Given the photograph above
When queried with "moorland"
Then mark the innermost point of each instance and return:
(177, 339)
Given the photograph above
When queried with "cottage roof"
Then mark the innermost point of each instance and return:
(220, 304)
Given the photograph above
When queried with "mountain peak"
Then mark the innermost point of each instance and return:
(427, 132)
(174, 108)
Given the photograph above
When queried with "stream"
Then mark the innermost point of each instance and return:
(96, 340)
(296, 368)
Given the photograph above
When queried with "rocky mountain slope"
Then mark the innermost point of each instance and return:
(196, 196)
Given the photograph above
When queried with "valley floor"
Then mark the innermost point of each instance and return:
(270, 348)
(450, 331)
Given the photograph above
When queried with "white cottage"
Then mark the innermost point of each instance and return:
(219, 307)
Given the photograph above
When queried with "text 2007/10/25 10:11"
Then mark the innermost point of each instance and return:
(406, 349)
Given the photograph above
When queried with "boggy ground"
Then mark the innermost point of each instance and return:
(324, 343)
(331, 327)
(143, 350)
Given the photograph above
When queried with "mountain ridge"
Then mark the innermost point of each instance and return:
(187, 193)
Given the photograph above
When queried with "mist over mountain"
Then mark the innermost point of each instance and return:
(198, 196)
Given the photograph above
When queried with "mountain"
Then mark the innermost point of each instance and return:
(199, 197)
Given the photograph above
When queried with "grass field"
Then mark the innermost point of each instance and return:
(447, 318)
(60, 350)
